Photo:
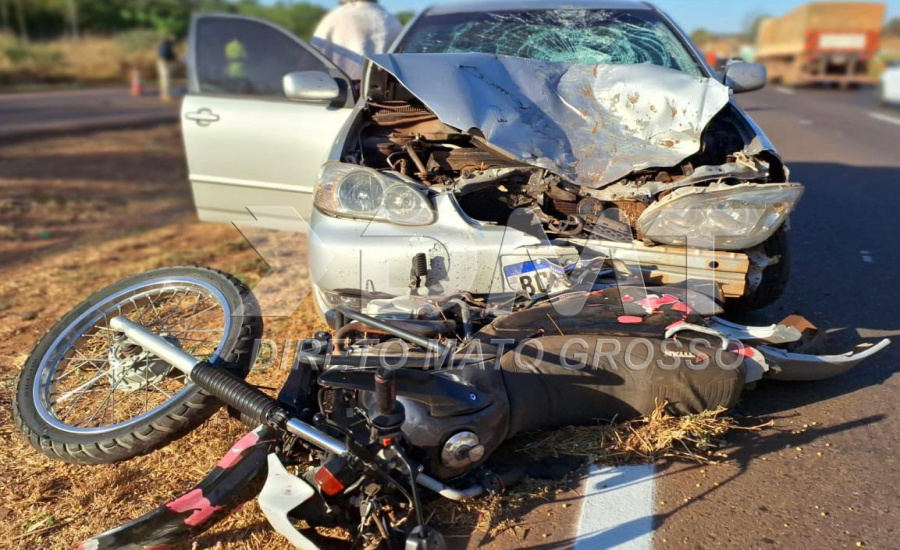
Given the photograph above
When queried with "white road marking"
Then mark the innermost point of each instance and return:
(885, 118)
(805, 122)
(617, 509)
(866, 256)
(784, 90)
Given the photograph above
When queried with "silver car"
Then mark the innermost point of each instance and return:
(499, 148)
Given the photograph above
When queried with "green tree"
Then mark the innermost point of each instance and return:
(54, 18)
(164, 16)
(893, 27)
(405, 16)
(72, 17)
(20, 19)
(752, 25)
(4, 15)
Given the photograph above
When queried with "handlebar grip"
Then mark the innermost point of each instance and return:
(236, 393)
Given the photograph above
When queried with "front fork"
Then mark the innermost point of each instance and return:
(224, 488)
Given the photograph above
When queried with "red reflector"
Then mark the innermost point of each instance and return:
(329, 484)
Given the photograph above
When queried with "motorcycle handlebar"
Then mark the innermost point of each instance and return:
(246, 399)
(228, 388)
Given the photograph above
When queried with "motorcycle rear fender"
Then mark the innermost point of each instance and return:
(799, 367)
(794, 366)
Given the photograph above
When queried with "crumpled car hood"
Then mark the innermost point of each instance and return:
(591, 124)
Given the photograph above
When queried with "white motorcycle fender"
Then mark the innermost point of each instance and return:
(282, 493)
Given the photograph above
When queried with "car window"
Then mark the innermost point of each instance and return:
(246, 57)
(615, 37)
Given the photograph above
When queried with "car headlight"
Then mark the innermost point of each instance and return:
(352, 191)
(724, 218)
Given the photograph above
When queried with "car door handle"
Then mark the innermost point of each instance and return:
(203, 117)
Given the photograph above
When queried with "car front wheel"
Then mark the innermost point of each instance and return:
(771, 282)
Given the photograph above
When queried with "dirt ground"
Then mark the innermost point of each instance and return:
(77, 213)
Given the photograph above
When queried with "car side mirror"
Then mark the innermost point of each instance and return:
(311, 86)
(742, 76)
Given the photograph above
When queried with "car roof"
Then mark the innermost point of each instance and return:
(526, 5)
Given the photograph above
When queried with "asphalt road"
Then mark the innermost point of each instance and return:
(835, 483)
(36, 113)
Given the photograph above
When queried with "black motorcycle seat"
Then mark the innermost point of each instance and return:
(547, 389)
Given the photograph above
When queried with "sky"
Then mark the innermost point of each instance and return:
(720, 16)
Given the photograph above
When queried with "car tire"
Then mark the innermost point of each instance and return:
(774, 278)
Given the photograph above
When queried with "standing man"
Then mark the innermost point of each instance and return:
(353, 31)
(165, 57)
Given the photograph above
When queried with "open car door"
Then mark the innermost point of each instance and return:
(253, 137)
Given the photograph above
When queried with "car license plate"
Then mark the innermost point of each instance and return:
(539, 276)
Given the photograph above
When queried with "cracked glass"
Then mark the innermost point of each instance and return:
(577, 36)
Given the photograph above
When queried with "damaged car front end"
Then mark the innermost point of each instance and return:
(467, 158)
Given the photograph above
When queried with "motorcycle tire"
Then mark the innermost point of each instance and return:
(774, 278)
(156, 404)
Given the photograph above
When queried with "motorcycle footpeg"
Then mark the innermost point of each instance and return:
(423, 537)
(496, 483)
(390, 413)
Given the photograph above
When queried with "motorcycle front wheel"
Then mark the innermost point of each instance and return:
(86, 395)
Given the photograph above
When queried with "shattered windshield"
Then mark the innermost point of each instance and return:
(582, 36)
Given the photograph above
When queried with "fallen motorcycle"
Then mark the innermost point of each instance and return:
(382, 414)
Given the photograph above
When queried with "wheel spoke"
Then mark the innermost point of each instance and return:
(98, 379)
(82, 387)
(112, 392)
(160, 390)
(146, 385)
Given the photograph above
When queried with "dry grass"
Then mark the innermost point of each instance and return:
(73, 189)
(495, 515)
(48, 504)
(92, 59)
(659, 435)
(120, 205)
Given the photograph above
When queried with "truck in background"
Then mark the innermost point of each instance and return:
(827, 42)
(722, 48)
